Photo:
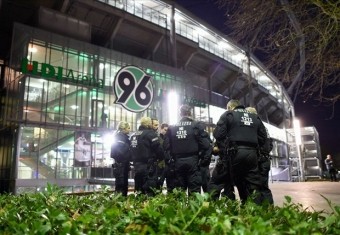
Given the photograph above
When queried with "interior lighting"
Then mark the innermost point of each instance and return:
(173, 106)
(32, 49)
(108, 140)
(224, 45)
(101, 65)
(239, 57)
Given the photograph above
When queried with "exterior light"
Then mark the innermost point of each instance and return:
(297, 131)
(173, 107)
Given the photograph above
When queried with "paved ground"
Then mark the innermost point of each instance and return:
(309, 194)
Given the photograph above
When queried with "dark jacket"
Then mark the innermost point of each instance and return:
(145, 145)
(188, 138)
(120, 148)
(240, 127)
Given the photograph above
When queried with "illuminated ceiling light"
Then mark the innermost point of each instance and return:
(254, 68)
(74, 107)
(57, 108)
(201, 31)
(32, 49)
(178, 17)
(239, 57)
(224, 45)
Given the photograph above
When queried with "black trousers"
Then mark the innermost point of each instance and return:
(332, 174)
(221, 179)
(264, 168)
(146, 178)
(188, 175)
(121, 173)
(246, 174)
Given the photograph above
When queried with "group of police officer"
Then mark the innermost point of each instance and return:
(181, 155)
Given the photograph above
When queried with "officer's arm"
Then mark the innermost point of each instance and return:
(206, 152)
(166, 145)
(220, 131)
(204, 144)
(262, 135)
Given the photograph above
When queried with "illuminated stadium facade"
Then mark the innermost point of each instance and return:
(59, 100)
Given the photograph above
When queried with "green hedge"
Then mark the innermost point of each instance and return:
(104, 212)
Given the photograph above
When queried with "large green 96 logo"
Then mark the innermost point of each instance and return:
(133, 89)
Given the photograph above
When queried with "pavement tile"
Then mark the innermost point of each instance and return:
(311, 195)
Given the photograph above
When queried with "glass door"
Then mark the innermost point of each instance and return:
(98, 117)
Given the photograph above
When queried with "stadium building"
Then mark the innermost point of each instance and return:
(71, 70)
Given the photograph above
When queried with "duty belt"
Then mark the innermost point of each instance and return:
(184, 155)
(245, 144)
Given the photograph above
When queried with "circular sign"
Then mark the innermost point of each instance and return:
(133, 89)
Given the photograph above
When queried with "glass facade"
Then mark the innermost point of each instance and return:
(63, 105)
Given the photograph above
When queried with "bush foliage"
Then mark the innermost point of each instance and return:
(104, 212)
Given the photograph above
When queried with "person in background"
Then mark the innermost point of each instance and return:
(103, 118)
(205, 172)
(264, 165)
(330, 167)
(160, 168)
(146, 150)
(242, 132)
(184, 142)
(155, 125)
(120, 152)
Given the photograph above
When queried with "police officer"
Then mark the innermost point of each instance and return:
(264, 165)
(221, 177)
(184, 141)
(160, 163)
(146, 150)
(120, 152)
(205, 171)
(243, 132)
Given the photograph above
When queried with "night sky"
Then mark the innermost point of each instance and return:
(309, 113)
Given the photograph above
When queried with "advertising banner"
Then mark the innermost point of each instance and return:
(82, 149)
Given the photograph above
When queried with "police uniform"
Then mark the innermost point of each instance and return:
(244, 132)
(221, 177)
(121, 154)
(184, 141)
(264, 168)
(146, 150)
(161, 166)
(205, 171)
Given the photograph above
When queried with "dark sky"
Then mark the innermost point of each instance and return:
(309, 113)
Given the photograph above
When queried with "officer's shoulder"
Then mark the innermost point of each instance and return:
(228, 112)
(199, 124)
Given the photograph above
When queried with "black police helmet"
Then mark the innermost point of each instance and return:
(185, 110)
